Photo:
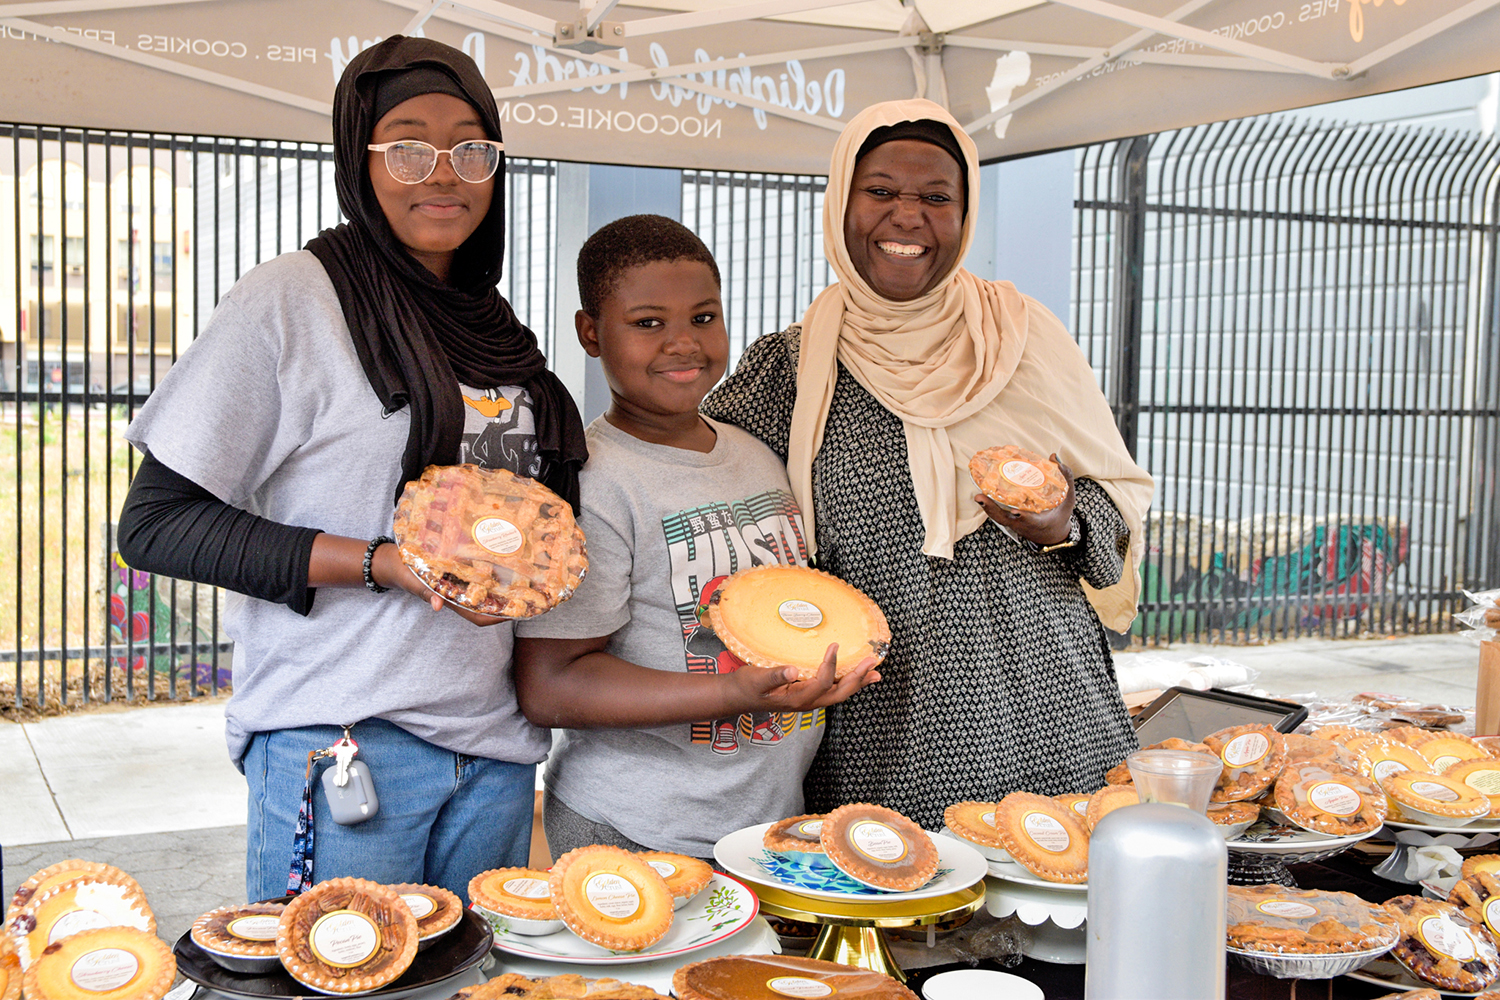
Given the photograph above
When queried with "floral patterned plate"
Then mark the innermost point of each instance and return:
(719, 911)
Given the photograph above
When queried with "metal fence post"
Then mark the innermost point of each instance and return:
(1130, 261)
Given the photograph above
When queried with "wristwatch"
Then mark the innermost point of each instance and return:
(1075, 535)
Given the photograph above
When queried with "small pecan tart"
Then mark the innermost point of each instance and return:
(437, 910)
(1327, 799)
(1483, 776)
(1120, 773)
(974, 821)
(776, 977)
(1435, 798)
(76, 904)
(1440, 945)
(879, 847)
(1283, 921)
(1478, 895)
(1233, 813)
(514, 892)
(104, 963)
(246, 931)
(1106, 800)
(611, 897)
(1045, 837)
(685, 876)
(1019, 478)
(347, 935)
(514, 986)
(797, 834)
(1253, 756)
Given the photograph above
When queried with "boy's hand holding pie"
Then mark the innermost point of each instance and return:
(783, 689)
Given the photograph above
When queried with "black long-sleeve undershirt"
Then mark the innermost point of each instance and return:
(171, 526)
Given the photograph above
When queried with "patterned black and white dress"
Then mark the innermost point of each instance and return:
(999, 677)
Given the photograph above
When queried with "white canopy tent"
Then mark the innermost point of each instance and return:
(758, 85)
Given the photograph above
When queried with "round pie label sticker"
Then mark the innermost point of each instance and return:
(498, 535)
(1446, 938)
(1023, 474)
(1335, 798)
(1288, 908)
(75, 921)
(1492, 914)
(1046, 832)
(104, 970)
(421, 906)
(800, 614)
(344, 939)
(878, 841)
(663, 868)
(988, 818)
(1081, 807)
(1433, 790)
(261, 927)
(796, 986)
(612, 895)
(1242, 751)
(1446, 761)
(527, 888)
(1487, 782)
(809, 829)
(1385, 768)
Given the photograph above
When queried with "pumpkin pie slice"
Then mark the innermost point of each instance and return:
(1435, 798)
(1106, 800)
(685, 876)
(973, 821)
(79, 903)
(61, 872)
(1120, 773)
(103, 963)
(437, 910)
(245, 931)
(795, 835)
(1018, 477)
(1253, 756)
(777, 615)
(1482, 775)
(512, 985)
(1325, 798)
(611, 897)
(10, 970)
(1442, 748)
(879, 847)
(1440, 945)
(777, 977)
(514, 892)
(1045, 837)
(347, 935)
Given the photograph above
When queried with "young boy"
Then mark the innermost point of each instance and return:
(671, 742)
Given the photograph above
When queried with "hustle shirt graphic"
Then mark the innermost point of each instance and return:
(705, 545)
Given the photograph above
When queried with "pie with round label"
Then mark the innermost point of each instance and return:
(1440, 945)
(879, 847)
(611, 897)
(10, 970)
(1386, 757)
(1442, 748)
(104, 963)
(1233, 813)
(489, 540)
(1437, 794)
(1019, 478)
(776, 615)
(514, 892)
(1106, 800)
(1310, 749)
(61, 872)
(1476, 863)
(1120, 773)
(514, 986)
(347, 935)
(1325, 798)
(76, 904)
(1078, 803)
(1253, 756)
(973, 821)
(1478, 895)
(795, 834)
(247, 930)
(685, 876)
(1483, 776)
(436, 909)
(1279, 920)
(1044, 836)
(777, 977)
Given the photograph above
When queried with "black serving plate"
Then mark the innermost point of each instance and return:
(460, 949)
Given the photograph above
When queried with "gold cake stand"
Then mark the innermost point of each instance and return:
(854, 933)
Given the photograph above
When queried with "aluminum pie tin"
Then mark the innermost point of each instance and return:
(249, 964)
(505, 923)
(1294, 966)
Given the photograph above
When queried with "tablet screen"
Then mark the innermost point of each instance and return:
(1192, 715)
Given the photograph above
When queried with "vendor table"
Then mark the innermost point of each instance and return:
(853, 933)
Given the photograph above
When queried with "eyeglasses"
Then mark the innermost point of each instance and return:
(412, 161)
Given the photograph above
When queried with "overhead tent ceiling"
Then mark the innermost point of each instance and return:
(731, 84)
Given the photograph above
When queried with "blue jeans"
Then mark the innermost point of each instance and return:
(444, 817)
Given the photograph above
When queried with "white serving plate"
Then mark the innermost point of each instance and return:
(1012, 871)
(743, 852)
(1467, 829)
(1294, 841)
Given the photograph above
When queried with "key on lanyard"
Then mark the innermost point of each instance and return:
(343, 752)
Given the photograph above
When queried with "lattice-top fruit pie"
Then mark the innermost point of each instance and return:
(1019, 478)
(490, 541)
(1440, 945)
(514, 986)
(347, 935)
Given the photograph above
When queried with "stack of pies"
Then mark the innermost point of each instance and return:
(1274, 919)
(437, 910)
(1443, 749)
(774, 615)
(490, 541)
(798, 839)
(685, 876)
(776, 977)
(1019, 478)
(82, 902)
(1435, 798)
(611, 897)
(347, 935)
(104, 963)
(1386, 756)
(520, 897)
(1253, 756)
(241, 938)
(879, 847)
(513, 986)
(1044, 836)
(1441, 945)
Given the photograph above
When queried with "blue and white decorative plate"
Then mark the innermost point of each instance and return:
(743, 853)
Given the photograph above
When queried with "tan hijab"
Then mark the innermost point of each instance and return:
(969, 365)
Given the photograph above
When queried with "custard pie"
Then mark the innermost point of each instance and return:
(61, 872)
(514, 892)
(879, 847)
(776, 615)
(1386, 756)
(685, 876)
(1078, 803)
(1482, 775)
(514, 986)
(1279, 920)
(489, 540)
(1440, 945)
(1435, 798)
(777, 977)
(1044, 836)
(1327, 799)
(1442, 748)
(1019, 478)
(347, 935)
(79, 903)
(611, 897)
(1253, 756)
(104, 963)
(247, 930)
(1476, 863)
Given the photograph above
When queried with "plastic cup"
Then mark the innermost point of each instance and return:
(1180, 777)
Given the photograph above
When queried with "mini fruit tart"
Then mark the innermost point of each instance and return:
(1120, 773)
(1442, 748)
(1278, 920)
(1328, 799)
(104, 963)
(1478, 895)
(1045, 837)
(685, 876)
(521, 897)
(1253, 756)
(611, 897)
(1435, 798)
(1440, 945)
(800, 838)
(437, 910)
(347, 935)
(879, 847)
(1106, 800)
(1483, 776)
(1019, 478)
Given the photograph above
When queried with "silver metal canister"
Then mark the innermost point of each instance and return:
(1157, 881)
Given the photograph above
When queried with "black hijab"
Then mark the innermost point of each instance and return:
(417, 337)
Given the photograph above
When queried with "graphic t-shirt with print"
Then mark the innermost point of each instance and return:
(664, 527)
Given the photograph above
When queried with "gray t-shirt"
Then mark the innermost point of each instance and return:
(270, 411)
(663, 524)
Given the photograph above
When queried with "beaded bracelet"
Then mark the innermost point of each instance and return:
(375, 543)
